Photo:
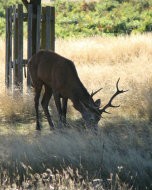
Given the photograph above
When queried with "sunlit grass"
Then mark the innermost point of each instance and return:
(100, 61)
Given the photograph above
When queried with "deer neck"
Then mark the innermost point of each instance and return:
(79, 98)
(78, 95)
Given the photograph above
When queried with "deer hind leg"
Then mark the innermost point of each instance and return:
(58, 106)
(45, 102)
(38, 88)
(64, 110)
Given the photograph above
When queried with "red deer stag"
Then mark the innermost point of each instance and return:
(60, 78)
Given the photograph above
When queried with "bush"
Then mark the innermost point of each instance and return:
(96, 18)
(83, 19)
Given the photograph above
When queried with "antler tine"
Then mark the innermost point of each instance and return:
(117, 84)
(120, 91)
(109, 104)
(93, 93)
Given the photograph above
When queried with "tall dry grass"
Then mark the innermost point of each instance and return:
(100, 61)
(125, 136)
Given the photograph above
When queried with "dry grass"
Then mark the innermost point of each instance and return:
(125, 138)
(68, 148)
(100, 62)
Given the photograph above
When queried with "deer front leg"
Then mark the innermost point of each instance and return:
(45, 102)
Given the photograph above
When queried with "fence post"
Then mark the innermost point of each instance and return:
(48, 28)
(52, 28)
(11, 54)
(20, 47)
(29, 41)
(38, 28)
(43, 29)
(8, 66)
(7, 48)
(15, 52)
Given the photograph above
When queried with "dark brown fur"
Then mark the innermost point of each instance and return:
(60, 78)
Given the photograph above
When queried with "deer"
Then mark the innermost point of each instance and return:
(59, 77)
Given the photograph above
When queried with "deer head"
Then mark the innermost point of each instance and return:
(92, 113)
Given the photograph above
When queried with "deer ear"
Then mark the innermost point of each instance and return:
(98, 103)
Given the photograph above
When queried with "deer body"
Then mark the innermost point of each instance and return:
(59, 77)
(58, 73)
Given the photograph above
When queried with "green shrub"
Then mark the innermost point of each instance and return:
(81, 18)
(102, 17)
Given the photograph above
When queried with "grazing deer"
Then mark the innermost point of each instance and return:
(59, 77)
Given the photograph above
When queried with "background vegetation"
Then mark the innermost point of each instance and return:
(103, 17)
(89, 18)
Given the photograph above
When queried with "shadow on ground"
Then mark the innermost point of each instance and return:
(121, 146)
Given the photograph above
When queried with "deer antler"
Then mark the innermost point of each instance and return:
(111, 99)
(93, 93)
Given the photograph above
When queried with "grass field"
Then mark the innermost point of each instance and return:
(123, 145)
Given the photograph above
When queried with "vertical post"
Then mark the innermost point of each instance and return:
(10, 49)
(8, 66)
(35, 4)
(15, 52)
(29, 45)
(20, 47)
(53, 28)
(7, 49)
(48, 28)
(38, 28)
(43, 29)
